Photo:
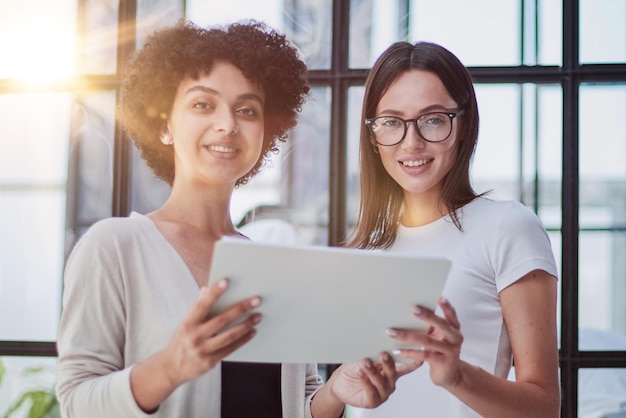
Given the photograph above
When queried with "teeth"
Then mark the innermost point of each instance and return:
(220, 148)
(415, 163)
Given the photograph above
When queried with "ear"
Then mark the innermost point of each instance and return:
(166, 137)
(374, 145)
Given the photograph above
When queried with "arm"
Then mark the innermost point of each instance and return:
(94, 375)
(529, 310)
(91, 371)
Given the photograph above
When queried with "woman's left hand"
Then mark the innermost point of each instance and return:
(368, 384)
(440, 346)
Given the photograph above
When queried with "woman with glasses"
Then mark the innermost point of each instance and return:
(419, 133)
(137, 337)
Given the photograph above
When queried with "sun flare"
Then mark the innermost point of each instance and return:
(39, 47)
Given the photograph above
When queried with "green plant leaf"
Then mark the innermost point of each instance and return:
(2, 371)
(41, 403)
(33, 370)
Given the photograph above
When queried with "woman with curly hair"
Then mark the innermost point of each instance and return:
(205, 107)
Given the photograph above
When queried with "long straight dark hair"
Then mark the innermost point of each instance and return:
(381, 196)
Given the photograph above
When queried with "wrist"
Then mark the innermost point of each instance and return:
(325, 403)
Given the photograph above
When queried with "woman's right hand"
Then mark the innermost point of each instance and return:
(199, 343)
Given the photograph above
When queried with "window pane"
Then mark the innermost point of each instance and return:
(33, 168)
(546, 128)
(602, 133)
(20, 376)
(38, 39)
(549, 32)
(602, 192)
(355, 103)
(294, 188)
(556, 242)
(601, 279)
(98, 37)
(156, 13)
(306, 23)
(602, 31)
(375, 24)
(148, 192)
(496, 164)
(90, 189)
(602, 392)
(499, 39)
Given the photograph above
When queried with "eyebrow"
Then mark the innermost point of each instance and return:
(209, 90)
(429, 109)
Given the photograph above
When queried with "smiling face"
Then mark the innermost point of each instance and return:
(217, 126)
(416, 165)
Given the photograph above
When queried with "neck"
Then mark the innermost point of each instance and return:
(420, 209)
(205, 211)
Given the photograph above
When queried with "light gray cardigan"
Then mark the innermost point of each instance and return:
(126, 290)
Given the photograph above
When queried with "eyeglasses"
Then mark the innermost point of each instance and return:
(432, 127)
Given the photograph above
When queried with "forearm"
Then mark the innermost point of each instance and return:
(150, 382)
(325, 404)
(492, 396)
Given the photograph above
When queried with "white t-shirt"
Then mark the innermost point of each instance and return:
(500, 243)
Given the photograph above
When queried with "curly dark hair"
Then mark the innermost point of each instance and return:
(183, 50)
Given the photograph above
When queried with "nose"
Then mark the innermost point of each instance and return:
(224, 122)
(412, 138)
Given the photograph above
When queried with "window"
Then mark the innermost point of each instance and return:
(551, 85)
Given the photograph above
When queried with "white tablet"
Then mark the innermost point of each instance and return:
(325, 304)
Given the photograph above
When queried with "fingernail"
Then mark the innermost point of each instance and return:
(391, 332)
(222, 283)
(203, 291)
(417, 310)
(256, 318)
(445, 300)
(386, 356)
(368, 364)
(396, 352)
(255, 302)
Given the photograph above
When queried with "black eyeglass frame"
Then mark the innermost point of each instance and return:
(450, 115)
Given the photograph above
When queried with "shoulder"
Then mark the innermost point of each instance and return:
(118, 225)
(498, 212)
(113, 232)
(483, 204)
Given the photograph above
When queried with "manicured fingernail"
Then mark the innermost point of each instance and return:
(255, 302)
(391, 332)
(417, 310)
(396, 352)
